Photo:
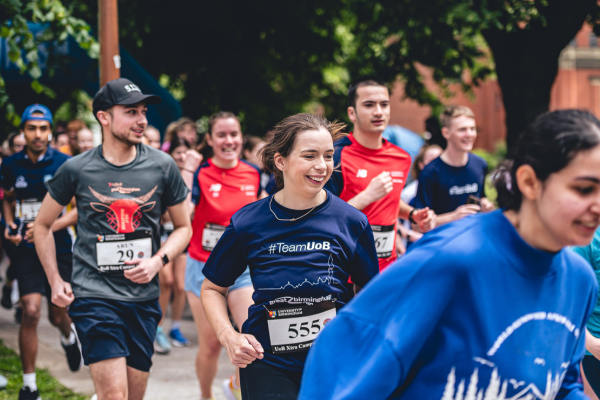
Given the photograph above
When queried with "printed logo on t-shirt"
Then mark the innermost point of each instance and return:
(249, 190)
(460, 190)
(320, 280)
(215, 188)
(123, 215)
(397, 176)
(501, 387)
(293, 248)
(21, 182)
(362, 173)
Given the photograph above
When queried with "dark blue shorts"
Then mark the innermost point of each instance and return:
(111, 329)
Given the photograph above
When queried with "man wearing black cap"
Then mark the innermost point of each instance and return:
(121, 188)
(23, 177)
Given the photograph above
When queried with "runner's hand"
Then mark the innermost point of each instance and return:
(16, 239)
(145, 270)
(29, 232)
(193, 159)
(62, 295)
(425, 218)
(379, 187)
(466, 210)
(242, 349)
(486, 205)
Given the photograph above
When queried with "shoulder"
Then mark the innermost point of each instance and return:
(392, 149)
(11, 160)
(158, 156)
(57, 156)
(477, 160)
(80, 160)
(432, 168)
(246, 215)
(338, 146)
(248, 166)
(342, 209)
(578, 266)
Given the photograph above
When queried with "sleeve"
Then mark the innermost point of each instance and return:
(424, 197)
(364, 264)
(175, 190)
(369, 326)
(571, 387)
(6, 178)
(63, 185)
(485, 173)
(335, 184)
(196, 187)
(227, 261)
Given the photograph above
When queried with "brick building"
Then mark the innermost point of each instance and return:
(577, 85)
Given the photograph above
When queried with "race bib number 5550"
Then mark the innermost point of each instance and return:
(294, 329)
(112, 250)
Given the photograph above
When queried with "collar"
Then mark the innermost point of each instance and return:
(47, 156)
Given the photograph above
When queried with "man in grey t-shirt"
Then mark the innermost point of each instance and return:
(120, 187)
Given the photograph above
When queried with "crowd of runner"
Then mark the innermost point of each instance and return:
(326, 261)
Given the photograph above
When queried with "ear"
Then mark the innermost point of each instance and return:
(279, 161)
(445, 133)
(352, 114)
(103, 117)
(209, 139)
(528, 182)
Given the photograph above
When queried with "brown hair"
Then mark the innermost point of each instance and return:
(284, 138)
(416, 168)
(204, 148)
(171, 130)
(452, 112)
(250, 142)
(76, 125)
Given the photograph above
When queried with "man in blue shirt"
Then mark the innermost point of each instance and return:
(447, 183)
(23, 177)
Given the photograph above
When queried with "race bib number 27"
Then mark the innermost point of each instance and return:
(112, 250)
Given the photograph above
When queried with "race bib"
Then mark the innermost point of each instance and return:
(27, 210)
(294, 329)
(211, 235)
(112, 250)
(384, 239)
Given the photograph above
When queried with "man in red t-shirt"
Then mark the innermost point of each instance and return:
(371, 172)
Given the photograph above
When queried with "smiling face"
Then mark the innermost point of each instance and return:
(310, 163)
(125, 123)
(85, 140)
(461, 133)
(372, 111)
(568, 202)
(225, 140)
(179, 156)
(36, 135)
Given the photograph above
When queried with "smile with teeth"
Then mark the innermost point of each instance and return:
(589, 224)
(316, 178)
(228, 150)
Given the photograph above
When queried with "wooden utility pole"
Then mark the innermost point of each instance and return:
(108, 26)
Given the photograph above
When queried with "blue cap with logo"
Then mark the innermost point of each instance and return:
(36, 109)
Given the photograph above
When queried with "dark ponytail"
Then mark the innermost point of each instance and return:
(548, 145)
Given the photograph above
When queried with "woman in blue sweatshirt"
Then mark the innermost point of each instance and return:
(488, 307)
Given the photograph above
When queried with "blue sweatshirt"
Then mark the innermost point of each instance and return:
(472, 312)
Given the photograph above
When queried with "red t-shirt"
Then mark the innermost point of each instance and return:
(356, 166)
(218, 194)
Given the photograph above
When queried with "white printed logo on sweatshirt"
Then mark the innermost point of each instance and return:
(458, 190)
(362, 173)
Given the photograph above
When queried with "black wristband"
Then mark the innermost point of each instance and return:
(410, 218)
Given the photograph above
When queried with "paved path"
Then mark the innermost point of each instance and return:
(172, 377)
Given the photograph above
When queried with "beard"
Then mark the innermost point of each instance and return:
(124, 138)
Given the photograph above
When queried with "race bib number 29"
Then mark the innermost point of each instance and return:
(112, 250)
(294, 329)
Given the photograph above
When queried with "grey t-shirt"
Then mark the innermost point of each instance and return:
(119, 217)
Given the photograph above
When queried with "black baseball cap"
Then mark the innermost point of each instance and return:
(121, 92)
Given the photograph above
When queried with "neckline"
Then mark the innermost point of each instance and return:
(138, 154)
(366, 149)
(288, 213)
(211, 163)
(452, 166)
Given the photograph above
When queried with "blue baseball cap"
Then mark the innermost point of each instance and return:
(36, 108)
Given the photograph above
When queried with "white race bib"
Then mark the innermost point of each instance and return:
(211, 235)
(27, 210)
(384, 239)
(112, 250)
(294, 329)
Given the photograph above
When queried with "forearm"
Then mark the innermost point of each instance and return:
(360, 201)
(46, 250)
(446, 218)
(405, 210)
(591, 342)
(8, 210)
(188, 179)
(65, 221)
(215, 308)
(177, 242)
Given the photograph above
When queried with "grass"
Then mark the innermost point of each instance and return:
(49, 388)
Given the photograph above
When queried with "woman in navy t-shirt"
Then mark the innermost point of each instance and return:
(488, 307)
(302, 245)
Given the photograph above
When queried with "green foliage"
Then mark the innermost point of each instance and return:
(14, 15)
(50, 388)
(493, 159)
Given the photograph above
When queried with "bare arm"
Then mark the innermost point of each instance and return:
(62, 294)
(70, 218)
(178, 240)
(8, 209)
(193, 159)
(242, 349)
(460, 212)
(378, 188)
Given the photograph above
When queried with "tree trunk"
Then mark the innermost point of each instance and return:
(527, 62)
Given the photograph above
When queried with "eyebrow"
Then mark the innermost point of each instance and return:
(588, 178)
(313, 151)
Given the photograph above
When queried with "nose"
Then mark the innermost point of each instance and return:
(320, 165)
(228, 139)
(143, 121)
(378, 110)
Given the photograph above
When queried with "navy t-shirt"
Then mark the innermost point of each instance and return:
(28, 181)
(443, 188)
(472, 311)
(294, 263)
